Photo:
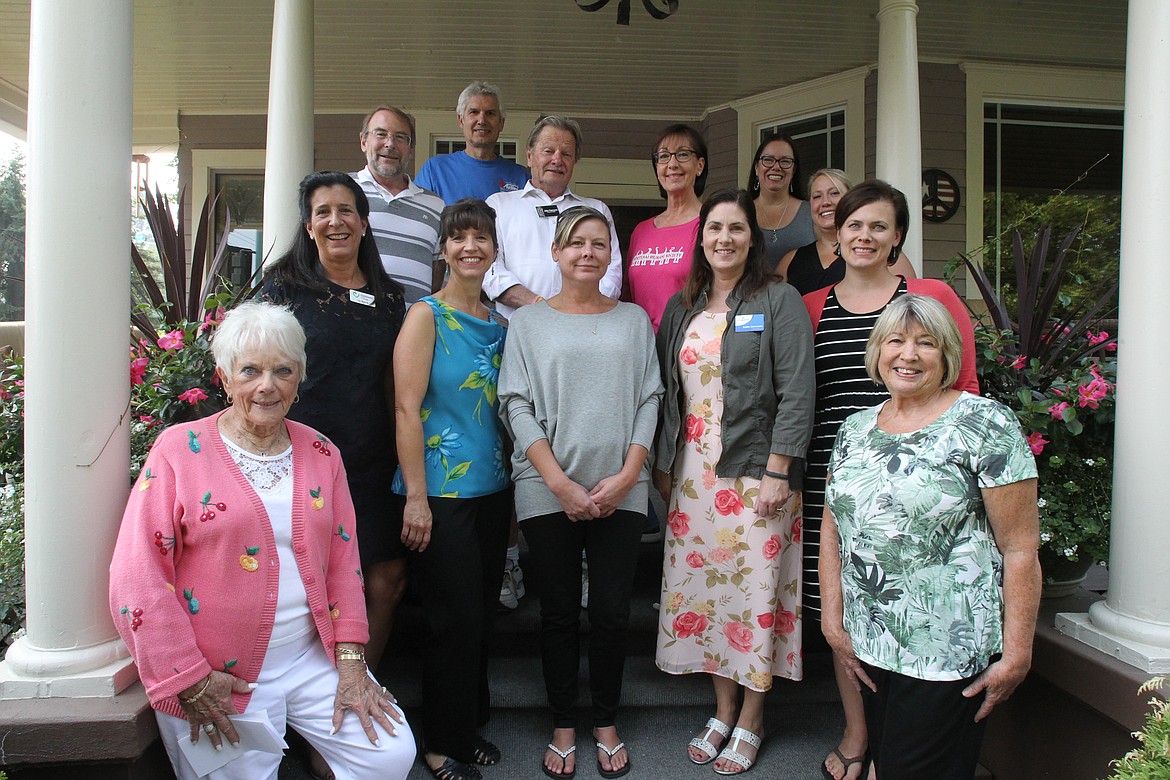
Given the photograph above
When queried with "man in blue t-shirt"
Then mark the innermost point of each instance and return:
(477, 171)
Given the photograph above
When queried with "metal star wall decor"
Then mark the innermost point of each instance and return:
(623, 16)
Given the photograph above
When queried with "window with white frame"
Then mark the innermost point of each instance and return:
(504, 149)
(819, 139)
(1052, 165)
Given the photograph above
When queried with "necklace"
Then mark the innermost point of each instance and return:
(775, 232)
(254, 445)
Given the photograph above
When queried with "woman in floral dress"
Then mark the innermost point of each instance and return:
(736, 354)
(458, 499)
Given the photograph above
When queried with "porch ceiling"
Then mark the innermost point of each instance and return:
(211, 56)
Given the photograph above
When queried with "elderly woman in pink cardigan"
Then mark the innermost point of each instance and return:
(236, 583)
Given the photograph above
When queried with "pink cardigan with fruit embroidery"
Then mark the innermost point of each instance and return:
(194, 577)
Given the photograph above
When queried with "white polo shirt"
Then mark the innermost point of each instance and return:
(525, 236)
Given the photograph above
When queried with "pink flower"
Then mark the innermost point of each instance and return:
(722, 554)
(695, 560)
(785, 622)
(792, 658)
(712, 347)
(172, 340)
(765, 620)
(689, 624)
(689, 356)
(1097, 338)
(797, 524)
(213, 318)
(679, 522)
(695, 427)
(146, 418)
(1019, 362)
(708, 479)
(728, 502)
(772, 547)
(1036, 442)
(138, 370)
(738, 636)
(193, 396)
(1092, 393)
(1057, 410)
(710, 665)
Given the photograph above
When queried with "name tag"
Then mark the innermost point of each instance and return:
(749, 323)
(364, 298)
(548, 211)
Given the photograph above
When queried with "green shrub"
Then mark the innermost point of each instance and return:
(1151, 759)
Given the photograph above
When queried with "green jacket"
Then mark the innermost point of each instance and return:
(769, 386)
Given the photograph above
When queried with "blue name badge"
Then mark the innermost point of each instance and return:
(749, 323)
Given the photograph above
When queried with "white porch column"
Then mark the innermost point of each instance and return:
(899, 134)
(289, 155)
(1133, 623)
(77, 445)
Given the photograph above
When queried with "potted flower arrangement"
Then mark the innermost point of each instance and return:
(1051, 362)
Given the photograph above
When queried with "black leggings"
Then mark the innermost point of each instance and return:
(922, 729)
(611, 546)
(459, 577)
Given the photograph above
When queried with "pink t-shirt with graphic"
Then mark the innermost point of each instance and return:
(659, 261)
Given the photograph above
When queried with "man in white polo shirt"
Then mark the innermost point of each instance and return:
(403, 216)
(526, 220)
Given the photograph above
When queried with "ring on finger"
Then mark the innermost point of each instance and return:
(209, 728)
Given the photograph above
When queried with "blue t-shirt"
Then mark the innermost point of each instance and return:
(462, 445)
(458, 175)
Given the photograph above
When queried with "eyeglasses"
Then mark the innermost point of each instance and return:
(402, 139)
(768, 161)
(682, 155)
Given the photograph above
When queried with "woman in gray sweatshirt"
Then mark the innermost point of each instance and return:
(579, 391)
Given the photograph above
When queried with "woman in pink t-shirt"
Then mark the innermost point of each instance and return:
(660, 248)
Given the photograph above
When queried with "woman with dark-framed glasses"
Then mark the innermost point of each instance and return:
(661, 248)
(777, 189)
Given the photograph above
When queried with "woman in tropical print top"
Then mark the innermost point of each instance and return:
(928, 559)
(458, 498)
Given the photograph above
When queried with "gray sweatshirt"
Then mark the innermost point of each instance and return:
(589, 384)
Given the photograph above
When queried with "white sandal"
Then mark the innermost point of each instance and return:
(731, 754)
(703, 743)
(564, 754)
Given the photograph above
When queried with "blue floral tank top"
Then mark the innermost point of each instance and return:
(462, 445)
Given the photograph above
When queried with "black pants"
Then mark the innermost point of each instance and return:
(921, 729)
(459, 577)
(611, 545)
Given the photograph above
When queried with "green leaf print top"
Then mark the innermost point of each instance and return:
(922, 577)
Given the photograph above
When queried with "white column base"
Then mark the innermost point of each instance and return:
(32, 673)
(1143, 645)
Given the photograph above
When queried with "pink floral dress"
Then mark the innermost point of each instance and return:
(731, 580)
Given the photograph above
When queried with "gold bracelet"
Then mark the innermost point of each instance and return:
(199, 695)
(345, 654)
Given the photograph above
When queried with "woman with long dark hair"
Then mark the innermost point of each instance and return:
(777, 189)
(735, 347)
(332, 279)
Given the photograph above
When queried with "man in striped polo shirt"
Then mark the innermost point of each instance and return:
(403, 216)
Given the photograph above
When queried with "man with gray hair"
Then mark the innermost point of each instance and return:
(526, 220)
(478, 171)
(404, 217)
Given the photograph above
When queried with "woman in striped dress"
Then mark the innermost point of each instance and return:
(871, 221)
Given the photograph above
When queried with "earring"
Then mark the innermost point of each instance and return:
(297, 398)
(893, 256)
(837, 249)
(229, 397)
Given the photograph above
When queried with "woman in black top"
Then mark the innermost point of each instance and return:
(332, 279)
(819, 264)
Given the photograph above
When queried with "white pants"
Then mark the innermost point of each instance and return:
(296, 686)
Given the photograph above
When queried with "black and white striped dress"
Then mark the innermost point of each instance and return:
(843, 388)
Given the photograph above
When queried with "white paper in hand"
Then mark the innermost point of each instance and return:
(256, 733)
